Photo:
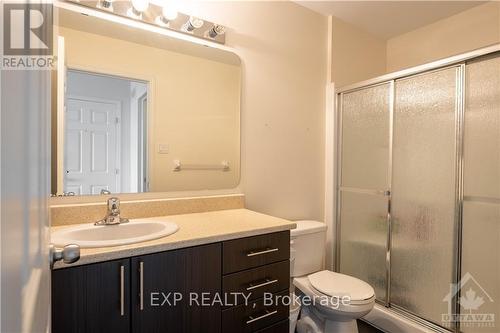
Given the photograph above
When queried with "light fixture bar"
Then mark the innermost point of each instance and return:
(164, 17)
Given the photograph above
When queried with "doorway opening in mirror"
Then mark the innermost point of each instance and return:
(105, 134)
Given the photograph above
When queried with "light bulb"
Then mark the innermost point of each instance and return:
(106, 4)
(195, 22)
(216, 30)
(192, 23)
(140, 5)
(169, 12)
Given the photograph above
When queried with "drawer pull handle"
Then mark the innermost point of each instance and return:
(258, 253)
(267, 314)
(122, 290)
(266, 283)
(141, 285)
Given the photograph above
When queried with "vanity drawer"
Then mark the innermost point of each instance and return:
(281, 327)
(255, 282)
(250, 252)
(255, 315)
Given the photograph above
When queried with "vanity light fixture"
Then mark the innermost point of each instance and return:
(168, 13)
(192, 24)
(215, 31)
(138, 6)
(106, 5)
(164, 16)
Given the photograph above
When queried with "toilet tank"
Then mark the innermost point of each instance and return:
(307, 248)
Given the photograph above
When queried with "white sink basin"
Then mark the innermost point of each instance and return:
(135, 231)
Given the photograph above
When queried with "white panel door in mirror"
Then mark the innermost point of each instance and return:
(92, 146)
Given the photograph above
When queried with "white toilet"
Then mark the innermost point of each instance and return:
(339, 299)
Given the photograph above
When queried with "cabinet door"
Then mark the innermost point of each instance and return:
(158, 278)
(93, 298)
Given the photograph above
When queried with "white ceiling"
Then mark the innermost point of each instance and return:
(387, 19)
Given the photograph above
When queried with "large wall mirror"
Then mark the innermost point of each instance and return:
(137, 111)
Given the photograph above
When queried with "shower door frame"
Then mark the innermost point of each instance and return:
(459, 62)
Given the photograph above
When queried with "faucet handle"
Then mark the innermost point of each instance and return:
(113, 215)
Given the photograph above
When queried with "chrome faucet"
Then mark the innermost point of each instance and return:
(113, 215)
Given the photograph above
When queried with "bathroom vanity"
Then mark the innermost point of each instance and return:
(186, 282)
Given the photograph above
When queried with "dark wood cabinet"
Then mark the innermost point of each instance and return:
(93, 298)
(280, 327)
(256, 315)
(259, 267)
(253, 283)
(249, 252)
(178, 291)
(172, 284)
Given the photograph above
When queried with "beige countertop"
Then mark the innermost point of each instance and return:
(194, 229)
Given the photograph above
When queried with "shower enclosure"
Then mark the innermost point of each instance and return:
(418, 211)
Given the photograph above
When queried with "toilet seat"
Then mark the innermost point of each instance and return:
(339, 285)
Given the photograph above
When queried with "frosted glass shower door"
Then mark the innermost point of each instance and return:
(365, 139)
(423, 193)
(481, 208)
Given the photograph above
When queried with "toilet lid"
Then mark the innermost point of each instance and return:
(336, 284)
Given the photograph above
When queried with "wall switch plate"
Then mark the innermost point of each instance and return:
(163, 148)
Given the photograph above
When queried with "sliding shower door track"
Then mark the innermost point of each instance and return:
(419, 320)
(402, 312)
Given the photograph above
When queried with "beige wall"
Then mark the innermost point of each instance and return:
(283, 48)
(355, 54)
(194, 106)
(466, 31)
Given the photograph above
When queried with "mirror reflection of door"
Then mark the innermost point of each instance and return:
(101, 151)
(92, 146)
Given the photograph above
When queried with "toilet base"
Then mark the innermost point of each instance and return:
(312, 322)
(350, 326)
(306, 325)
